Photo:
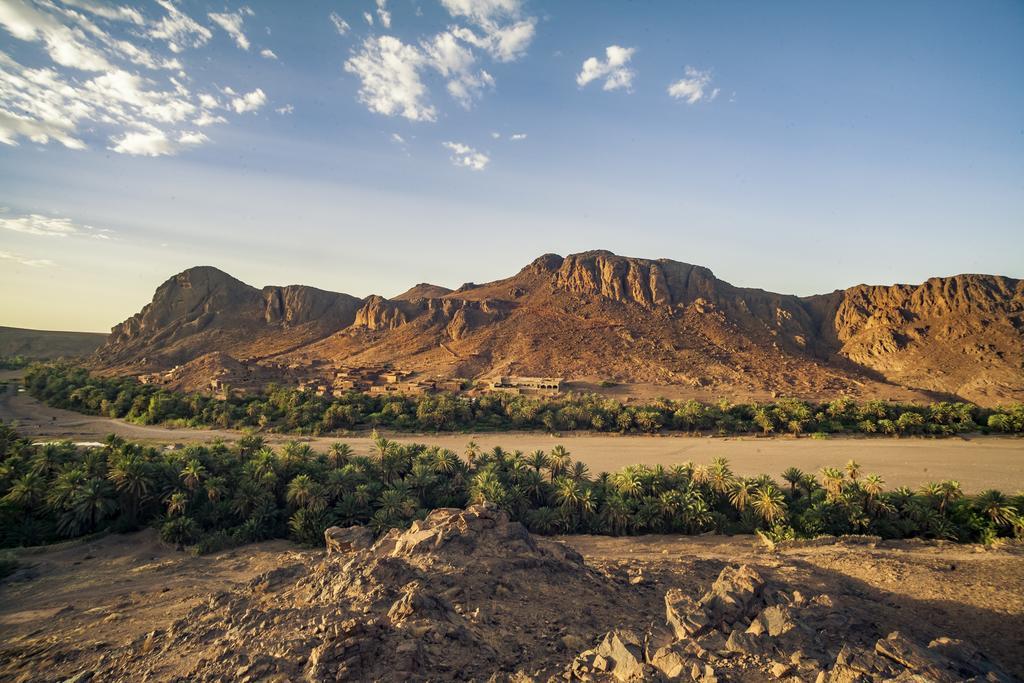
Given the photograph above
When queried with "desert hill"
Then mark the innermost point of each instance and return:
(44, 344)
(596, 315)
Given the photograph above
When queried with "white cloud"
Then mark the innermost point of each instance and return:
(517, 136)
(267, 53)
(250, 101)
(694, 87)
(231, 22)
(208, 119)
(456, 63)
(192, 138)
(466, 156)
(395, 137)
(339, 24)
(496, 135)
(66, 45)
(368, 18)
(111, 12)
(614, 69)
(178, 29)
(286, 109)
(504, 33)
(40, 225)
(92, 84)
(25, 261)
(383, 14)
(150, 142)
(390, 74)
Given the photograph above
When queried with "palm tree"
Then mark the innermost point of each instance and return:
(720, 477)
(741, 493)
(177, 503)
(873, 485)
(340, 453)
(112, 443)
(446, 461)
(132, 479)
(472, 452)
(996, 507)
(28, 491)
(92, 502)
(949, 491)
(193, 474)
(832, 480)
(794, 476)
(558, 461)
(579, 471)
(769, 504)
(853, 469)
(538, 460)
(303, 492)
(568, 493)
(615, 515)
(215, 488)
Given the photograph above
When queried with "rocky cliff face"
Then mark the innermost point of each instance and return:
(597, 313)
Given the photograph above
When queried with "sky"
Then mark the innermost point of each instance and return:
(364, 146)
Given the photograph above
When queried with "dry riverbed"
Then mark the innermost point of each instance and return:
(977, 462)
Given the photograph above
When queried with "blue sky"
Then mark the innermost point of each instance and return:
(798, 147)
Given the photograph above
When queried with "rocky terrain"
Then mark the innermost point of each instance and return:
(469, 595)
(596, 316)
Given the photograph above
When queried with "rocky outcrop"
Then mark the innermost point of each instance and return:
(962, 335)
(783, 634)
(380, 314)
(348, 539)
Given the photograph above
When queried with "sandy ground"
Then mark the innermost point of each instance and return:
(95, 596)
(977, 462)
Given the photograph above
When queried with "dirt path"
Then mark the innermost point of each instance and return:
(977, 462)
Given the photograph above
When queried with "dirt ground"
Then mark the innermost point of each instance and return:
(84, 599)
(977, 462)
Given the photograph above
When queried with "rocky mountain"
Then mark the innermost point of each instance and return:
(598, 316)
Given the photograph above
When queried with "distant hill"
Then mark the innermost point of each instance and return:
(45, 344)
(599, 315)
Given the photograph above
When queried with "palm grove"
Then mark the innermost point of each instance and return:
(221, 495)
(289, 410)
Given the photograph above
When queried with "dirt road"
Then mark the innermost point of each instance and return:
(977, 462)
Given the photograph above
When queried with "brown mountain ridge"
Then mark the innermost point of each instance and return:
(668, 325)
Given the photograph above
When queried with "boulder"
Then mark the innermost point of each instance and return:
(684, 615)
(619, 656)
(732, 594)
(347, 539)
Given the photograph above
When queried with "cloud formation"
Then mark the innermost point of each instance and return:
(340, 25)
(393, 74)
(25, 261)
(390, 74)
(40, 225)
(250, 101)
(232, 22)
(694, 87)
(614, 69)
(467, 157)
(102, 78)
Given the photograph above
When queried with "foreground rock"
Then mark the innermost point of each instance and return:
(470, 595)
(741, 627)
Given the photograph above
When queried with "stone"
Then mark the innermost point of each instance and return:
(919, 660)
(671, 661)
(347, 539)
(774, 620)
(732, 594)
(684, 615)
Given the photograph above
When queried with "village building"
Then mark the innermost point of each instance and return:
(546, 386)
